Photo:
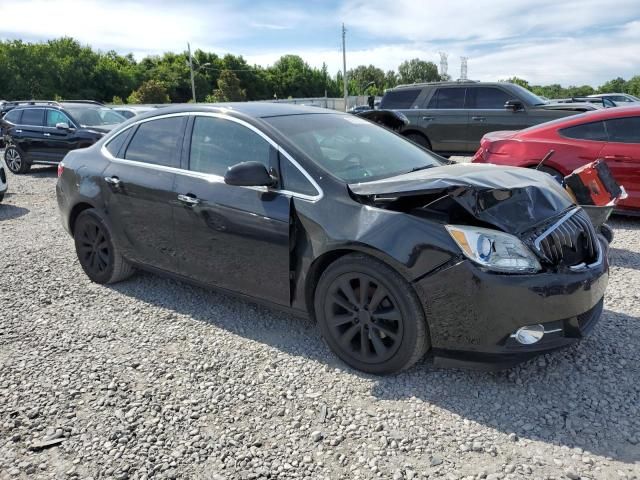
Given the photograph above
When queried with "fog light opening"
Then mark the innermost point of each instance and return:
(529, 335)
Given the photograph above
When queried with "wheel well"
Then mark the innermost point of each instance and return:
(75, 212)
(406, 133)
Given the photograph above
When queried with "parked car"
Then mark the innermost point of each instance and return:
(598, 102)
(3, 183)
(44, 134)
(327, 214)
(611, 134)
(130, 111)
(451, 117)
(620, 99)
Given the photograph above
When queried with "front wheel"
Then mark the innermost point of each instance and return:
(370, 316)
(98, 255)
(419, 139)
(15, 161)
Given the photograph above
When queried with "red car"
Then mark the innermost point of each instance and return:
(612, 134)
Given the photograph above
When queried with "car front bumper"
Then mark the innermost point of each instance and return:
(472, 313)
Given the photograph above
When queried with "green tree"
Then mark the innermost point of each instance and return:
(362, 76)
(519, 81)
(617, 85)
(151, 91)
(633, 86)
(416, 70)
(228, 89)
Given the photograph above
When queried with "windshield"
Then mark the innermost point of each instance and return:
(352, 148)
(530, 97)
(94, 116)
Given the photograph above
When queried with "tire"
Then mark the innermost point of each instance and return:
(607, 232)
(98, 255)
(553, 172)
(362, 339)
(419, 139)
(1, 197)
(15, 161)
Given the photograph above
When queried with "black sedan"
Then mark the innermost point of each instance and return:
(391, 251)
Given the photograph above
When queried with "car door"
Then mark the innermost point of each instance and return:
(58, 141)
(138, 189)
(227, 236)
(487, 113)
(622, 155)
(28, 134)
(445, 121)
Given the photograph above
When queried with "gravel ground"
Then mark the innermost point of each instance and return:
(153, 378)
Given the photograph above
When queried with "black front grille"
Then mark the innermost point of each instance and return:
(570, 241)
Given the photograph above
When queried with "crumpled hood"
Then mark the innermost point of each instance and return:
(511, 198)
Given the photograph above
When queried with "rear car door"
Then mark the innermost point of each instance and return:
(228, 236)
(445, 121)
(58, 141)
(138, 188)
(28, 134)
(622, 155)
(488, 114)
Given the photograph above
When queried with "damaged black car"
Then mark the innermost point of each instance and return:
(393, 252)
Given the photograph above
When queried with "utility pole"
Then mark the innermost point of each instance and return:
(344, 68)
(193, 82)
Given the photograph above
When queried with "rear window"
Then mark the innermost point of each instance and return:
(33, 117)
(448, 98)
(157, 142)
(624, 130)
(588, 131)
(402, 98)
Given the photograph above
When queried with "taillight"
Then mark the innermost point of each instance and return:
(60, 169)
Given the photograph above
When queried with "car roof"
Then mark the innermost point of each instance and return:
(249, 109)
(587, 117)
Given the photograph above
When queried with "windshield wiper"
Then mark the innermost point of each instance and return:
(423, 167)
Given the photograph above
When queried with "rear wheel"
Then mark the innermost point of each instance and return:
(98, 255)
(370, 316)
(15, 161)
(419, 139)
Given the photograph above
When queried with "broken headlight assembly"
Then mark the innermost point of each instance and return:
(497, 251)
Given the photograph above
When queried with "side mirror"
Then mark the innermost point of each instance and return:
(249, 174)
(514, 105)
(63, 126)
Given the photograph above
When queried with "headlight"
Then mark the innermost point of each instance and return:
(493, 249)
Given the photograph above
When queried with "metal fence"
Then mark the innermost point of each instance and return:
(326, 102)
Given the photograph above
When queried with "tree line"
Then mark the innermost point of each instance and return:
(65, 69)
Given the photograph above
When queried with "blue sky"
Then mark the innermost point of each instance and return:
(544, 41)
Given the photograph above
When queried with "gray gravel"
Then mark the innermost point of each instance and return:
(153, 378)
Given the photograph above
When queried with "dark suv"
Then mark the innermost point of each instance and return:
(452, 117)
(44, 132)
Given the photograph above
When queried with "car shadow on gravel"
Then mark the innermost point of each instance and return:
(621, 257)
(43, 172)
(586, 396)
(10, 212)
(578, 397)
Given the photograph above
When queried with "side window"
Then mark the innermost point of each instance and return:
(488, 98)
(33, 117)
(157, 142)
(587, 131)
(217, 144)
(402, 98)
(293, 179)
(115, 144)
(55, 116)
(448, 98)
(624, 130)
(13, 116)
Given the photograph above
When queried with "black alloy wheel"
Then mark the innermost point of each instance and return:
(370, 316)
(96, 251)
(14, 160)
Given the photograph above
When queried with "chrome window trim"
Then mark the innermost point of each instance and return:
(208, 176)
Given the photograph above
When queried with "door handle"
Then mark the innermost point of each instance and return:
(478, 119)
(18, 131)
(188, 199)
(428, 119)
(113, 181)
(47, 134)
(617, 158)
